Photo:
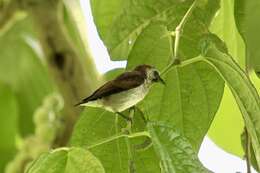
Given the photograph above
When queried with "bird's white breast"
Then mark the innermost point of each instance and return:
(123, 100)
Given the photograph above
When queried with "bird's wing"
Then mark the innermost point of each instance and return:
(123, 82)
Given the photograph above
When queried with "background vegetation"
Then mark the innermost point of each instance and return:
(208, 50)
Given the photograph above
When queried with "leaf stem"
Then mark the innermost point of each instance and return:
(248, 156)
(130, 150)
(179, 28)
(182, 64)
(120, 135)
(175, 60)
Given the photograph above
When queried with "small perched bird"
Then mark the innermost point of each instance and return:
(125, 91)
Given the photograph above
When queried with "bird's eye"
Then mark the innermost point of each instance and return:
(155, 76)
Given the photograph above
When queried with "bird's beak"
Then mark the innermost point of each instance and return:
(161, 80)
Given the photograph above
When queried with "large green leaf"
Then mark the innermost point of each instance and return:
(153, 46)
(243, 90)
(67, 160)
(246, 16)
(224, 26)
(227, 119)
(104, 13)
(191, 97)
(126, 24)
(175, 152)
(139, 32)
(231, 122)
(24, 71)
(8, 124)
(96, 125)
(187, 101)
(250, 154)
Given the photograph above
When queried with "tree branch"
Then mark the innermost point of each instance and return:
(63, 60)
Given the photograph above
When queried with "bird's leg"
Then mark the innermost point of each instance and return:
(142, 114)
(147, 142)
(131, 114)
(130, 122)
(128, 127)
(123, 116)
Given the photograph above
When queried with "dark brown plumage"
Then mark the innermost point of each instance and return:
(123, 82)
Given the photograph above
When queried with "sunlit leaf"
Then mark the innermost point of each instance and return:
(192, 94)
(243, 90)
(246, 16)
(230, 121)
(224, 26)
(175, 152)
(97, 125)
(67, 160)
(125, 25)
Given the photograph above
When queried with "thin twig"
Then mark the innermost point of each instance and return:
(182, 64)
(179, 28)
(130, 149)
(175, 60)
(248, 155)
(120, 135)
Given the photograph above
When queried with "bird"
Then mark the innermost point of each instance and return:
(125, 91)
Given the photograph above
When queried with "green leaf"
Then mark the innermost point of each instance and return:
(8, 124)
(246, 16)
(113, 73)
(227, 119)
(67, 160)
(139, 33)
(96, 126)
(93, 126)
(224, 26)
(252, 158)
(104, 13)
(192, 94)
(231, 122)
(153, 46)
(24, 71)
(134, 16)
(243, 90)
(175, 152)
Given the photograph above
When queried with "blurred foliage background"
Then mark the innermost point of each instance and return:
(28, 77)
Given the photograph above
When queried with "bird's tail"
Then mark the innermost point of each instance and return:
(78, 104)
(82, 101)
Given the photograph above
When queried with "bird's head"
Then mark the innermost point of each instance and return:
(151, 73)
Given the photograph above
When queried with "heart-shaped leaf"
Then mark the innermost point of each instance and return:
(66, 160)
(243, 90)
(175, 152)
